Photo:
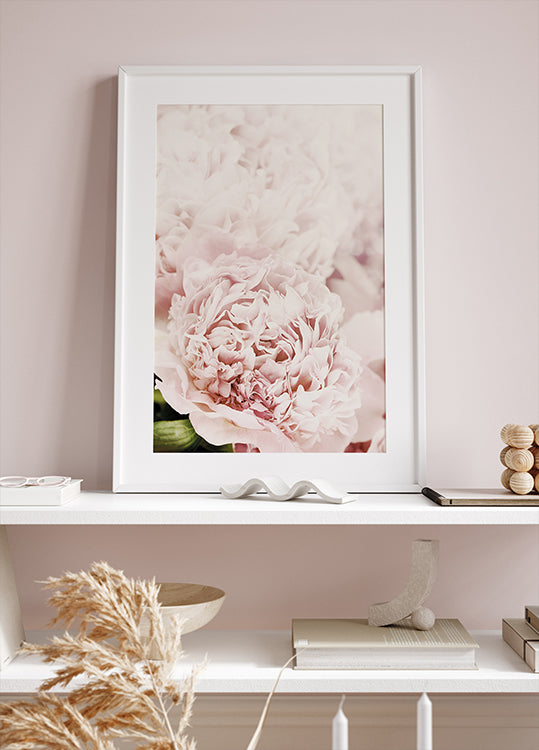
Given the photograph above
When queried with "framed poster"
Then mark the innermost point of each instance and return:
(269, 278)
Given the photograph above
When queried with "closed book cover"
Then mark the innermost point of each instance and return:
(354, 644)
(40, 495)
(531, 655)
(479, 497)
(516, 632)
(532, 615)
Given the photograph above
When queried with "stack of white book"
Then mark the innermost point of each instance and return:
(522, 634)
(354, 644)
(40, 494)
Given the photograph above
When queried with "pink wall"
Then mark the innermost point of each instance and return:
(480, 65)
(272, 574)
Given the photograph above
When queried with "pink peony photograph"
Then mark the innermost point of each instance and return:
(269, 279)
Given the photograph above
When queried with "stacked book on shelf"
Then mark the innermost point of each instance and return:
(479, 497)
(40, 494)
(522, 634)
(354, 644)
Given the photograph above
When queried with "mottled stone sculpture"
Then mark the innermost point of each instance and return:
(409, 602)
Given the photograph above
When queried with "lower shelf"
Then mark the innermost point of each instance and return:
(249, 661)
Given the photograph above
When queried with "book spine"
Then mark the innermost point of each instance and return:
(39, 496)
(532, 619)
(523, 639)
(531, 655)
(513, 639)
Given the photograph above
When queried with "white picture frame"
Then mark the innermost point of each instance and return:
(398, 90)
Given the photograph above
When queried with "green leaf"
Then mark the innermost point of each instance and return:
(163, 412)
(206, 447)
(158, 397)
(174, 436)
(228, 448)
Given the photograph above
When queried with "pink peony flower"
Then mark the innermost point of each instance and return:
(254, 351)
(271, 346)
(304, 180)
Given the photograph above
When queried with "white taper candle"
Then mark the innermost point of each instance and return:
(424, 723)
(340, 729)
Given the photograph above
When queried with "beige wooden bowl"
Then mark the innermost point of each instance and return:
(194, 604)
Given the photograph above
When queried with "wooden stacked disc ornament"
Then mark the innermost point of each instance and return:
(520, 457)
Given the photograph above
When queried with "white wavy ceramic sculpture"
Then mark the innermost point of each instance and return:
(277, 489)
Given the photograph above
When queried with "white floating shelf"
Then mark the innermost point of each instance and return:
(374, 509)
(249, 661)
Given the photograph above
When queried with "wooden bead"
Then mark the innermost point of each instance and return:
(521, 482)
(519, 459)
(537, 460)
(506, 476)
(537, 482)
(537, 436)
(520, 436)
(534, 427)
(504, 432)
(503, 453)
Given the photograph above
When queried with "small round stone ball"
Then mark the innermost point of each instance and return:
(423, 618)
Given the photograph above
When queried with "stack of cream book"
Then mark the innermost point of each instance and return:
(354, 644)
(40, 494)
(522, 634)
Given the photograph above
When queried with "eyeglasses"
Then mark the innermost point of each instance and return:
(52, 481)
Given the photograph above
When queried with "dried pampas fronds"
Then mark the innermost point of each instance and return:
(48, 722)
(124, 693)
